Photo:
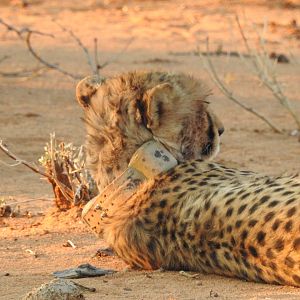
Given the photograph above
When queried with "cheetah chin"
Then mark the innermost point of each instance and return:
(163, 204)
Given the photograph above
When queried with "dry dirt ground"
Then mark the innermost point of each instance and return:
(165, 33)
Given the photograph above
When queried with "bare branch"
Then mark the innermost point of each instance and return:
(25, 35)
(96, 55)
(94, 64)
(4, 148)
(10, 165)
(266, 73)
(22, 31)
(12, 28)
(24, 73)
(29, 32)
(208, 64)
(44, 62)
(101, 66)
(243, 35)
(67, 193)
(80, 44)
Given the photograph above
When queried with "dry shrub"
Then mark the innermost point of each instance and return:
(71, 182)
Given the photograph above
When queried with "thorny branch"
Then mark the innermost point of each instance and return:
(209, 66)
(267, 76)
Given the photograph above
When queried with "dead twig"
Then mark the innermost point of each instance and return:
(96, 59)
(89, 59)
(264, 71)
(62, 185)
(4, 148)
(31, 252)
(24, 73)
(190, 275)
(10, 165)
(70, 179)
(22, 31)
(44, 62)
(209, 66)
(25, 35)
(101, 66)
(69, 243)
(64, 165)
(94, 64)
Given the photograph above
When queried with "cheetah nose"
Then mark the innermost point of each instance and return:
(221, 130)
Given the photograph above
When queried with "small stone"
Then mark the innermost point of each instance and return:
(281, 58)
(5, 211)
(58, 289)
(213, 294)
(103, 252)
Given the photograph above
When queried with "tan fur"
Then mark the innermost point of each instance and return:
(125, 111)
(199, 216)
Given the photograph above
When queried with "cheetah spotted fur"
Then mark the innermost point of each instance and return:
(198, 216)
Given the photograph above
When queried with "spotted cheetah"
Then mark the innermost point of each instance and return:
(197, 215)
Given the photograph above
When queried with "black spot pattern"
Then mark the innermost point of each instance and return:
(261, 237)
(253, 251)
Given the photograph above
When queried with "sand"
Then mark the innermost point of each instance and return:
(165, 35)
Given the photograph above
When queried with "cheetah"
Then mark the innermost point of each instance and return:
(163, 203)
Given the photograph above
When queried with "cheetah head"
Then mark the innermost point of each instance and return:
(123, 112)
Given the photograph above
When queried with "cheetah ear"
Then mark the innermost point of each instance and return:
(157, 101)
(86, 88)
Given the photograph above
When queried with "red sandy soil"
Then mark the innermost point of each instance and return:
(165, 35)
